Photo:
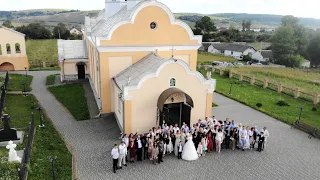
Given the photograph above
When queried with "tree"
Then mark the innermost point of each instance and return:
(284, 45)
(61, 32)
(296, 61)
(246, 25)
(206, 25)
(289, 20)
(313, 49)
(35, 31)
(7, 24)
(301, 35)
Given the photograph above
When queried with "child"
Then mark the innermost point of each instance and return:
(180, 150)
(204, 143)
(200, 149)
(260, 142)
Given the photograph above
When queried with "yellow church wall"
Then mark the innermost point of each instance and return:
(144, 100)
(209, 105)
(19, 62)
(70, 68)
(120, 61)
(140, 32)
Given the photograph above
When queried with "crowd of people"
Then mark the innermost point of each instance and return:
(188, 143)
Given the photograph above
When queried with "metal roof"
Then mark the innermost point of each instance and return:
(231, 47)
(72, 49)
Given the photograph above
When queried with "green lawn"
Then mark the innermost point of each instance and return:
(51, 79)
(42, 51)
(208, 58)
(47, 141)
(251, 95)
(16, 82)
(73, 98)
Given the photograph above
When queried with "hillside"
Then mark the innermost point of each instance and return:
(74, 17)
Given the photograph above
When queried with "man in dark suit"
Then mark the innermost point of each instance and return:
(138, 144)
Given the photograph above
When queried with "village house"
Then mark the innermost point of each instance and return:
(141, 65)
(263, 56)
(13, 54)
(231, 49)
(305, 64)
(75, 31)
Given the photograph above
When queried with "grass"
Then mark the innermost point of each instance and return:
(42, 50)
(16, 82)
(45, 69)
(259, 46)
(214, 105)
(307, 81)
(73, 98)
(208, 58)
(251, 95)
(47, 141)
(51, 79)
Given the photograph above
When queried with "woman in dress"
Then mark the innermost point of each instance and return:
(183, 136)
(210, 142)
(177, 142)
(154, 153)
(169, 145)
(249, 135)
(132, 151)
(150, 145)
(219, 140)
(234, 138)
(204, 143)
(189, 152)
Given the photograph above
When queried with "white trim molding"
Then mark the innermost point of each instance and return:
(201, 78)
(166, 9)
(146, 48)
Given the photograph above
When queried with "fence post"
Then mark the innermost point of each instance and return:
(316, 99)
(230, 74)
(221, 72)
(265, 83)
(297, 93)
(253, 80)
(280, 87)
(240, 77)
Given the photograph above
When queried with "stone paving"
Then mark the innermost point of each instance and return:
(289, 153)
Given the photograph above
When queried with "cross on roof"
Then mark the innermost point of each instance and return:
(172, 51)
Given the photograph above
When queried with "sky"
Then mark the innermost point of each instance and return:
(298, 8)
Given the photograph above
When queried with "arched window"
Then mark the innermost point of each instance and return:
(0, 50)
(8, 48)
(172, 82)
(18, 48)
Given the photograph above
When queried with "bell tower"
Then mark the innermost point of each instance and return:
(113, 6)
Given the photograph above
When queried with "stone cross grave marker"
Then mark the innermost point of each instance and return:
(7, 133)
(13, 156)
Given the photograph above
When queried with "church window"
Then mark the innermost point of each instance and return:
(153, 25)
(172, 82)
(18, 48)
(8, 48)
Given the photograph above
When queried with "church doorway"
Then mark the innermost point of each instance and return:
(6, 67)
(81, 70)
(174, 107)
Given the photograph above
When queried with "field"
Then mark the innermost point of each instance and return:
(308, 81)
(251, 95)
(259, 46)
(207, 58)
(42, 51)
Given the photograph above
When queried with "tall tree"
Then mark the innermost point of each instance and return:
(313, 49)
(7, 24)
(289, 20)
(284, 45)
(34, 31)
(248, 25)
(206, 27)
(61, 32)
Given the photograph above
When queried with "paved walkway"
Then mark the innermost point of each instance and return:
(289, 154)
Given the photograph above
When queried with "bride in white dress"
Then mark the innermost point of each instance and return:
(189, 152)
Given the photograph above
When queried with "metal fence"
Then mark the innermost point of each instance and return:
(23, 168)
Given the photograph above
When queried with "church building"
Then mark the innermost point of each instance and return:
(141, 64)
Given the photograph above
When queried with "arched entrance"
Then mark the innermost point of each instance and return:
(81, 70)
(6, 67)
(174, 107)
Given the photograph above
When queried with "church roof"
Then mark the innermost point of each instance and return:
(148, 65)
(72, 49)
(103, 27)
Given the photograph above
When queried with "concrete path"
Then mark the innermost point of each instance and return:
(289, 153)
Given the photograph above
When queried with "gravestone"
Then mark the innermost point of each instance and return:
(7, 133)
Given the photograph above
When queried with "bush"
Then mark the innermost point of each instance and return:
(259, 105)
(282, 103)
(314, 109)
